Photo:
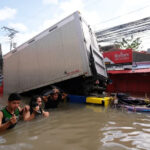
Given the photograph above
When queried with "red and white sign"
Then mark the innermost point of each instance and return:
(118, 57)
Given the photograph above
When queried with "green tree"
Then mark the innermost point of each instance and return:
(131, 43)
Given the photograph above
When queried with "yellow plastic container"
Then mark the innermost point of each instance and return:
(107, 101)
(99, 100)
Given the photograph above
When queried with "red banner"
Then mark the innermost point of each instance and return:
(118, 57)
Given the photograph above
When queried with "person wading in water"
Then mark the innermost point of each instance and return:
(10, 115)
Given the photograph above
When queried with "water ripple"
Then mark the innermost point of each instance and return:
(127, 137)
(78, 127)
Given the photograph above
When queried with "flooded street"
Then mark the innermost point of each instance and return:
(81, 127)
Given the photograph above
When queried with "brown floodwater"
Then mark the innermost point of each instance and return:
(80, 127)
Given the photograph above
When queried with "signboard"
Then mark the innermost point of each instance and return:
(118, 57)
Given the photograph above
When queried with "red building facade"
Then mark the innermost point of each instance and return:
(124, 75)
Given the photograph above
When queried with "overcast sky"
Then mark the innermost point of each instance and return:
(30, 17)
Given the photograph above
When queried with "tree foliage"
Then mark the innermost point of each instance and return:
(129, 43)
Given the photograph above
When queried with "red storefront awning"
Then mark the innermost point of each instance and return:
(129, 71)
(130, 81)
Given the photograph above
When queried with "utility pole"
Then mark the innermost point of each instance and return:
(11, 34)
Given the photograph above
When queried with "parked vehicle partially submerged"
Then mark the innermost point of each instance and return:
(129, 100)
(133, 104)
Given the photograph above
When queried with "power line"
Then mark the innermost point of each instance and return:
(130, 12)
(126, 25)
(124, 30)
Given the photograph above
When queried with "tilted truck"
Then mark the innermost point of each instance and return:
(66, 55)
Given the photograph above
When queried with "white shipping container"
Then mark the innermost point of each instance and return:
(64, 51)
